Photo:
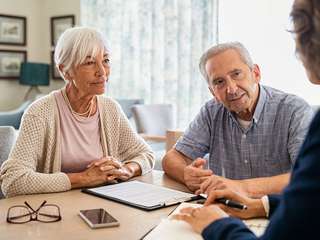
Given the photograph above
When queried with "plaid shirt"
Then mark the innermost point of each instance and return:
(268, 147)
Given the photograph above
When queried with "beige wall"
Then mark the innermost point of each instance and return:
(38, 13)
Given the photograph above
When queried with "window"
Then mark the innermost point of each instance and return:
(156, 45)
(262, 27)
(155, 49)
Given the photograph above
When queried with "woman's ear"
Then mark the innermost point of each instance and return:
(66, 75)
(61, 67)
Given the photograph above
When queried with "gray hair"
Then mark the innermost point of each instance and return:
(76, 44)
(215, 50)
(306, 28)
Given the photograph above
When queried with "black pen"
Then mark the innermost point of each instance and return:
(227, 202)
(231, 203)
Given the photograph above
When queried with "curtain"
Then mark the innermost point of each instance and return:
(155, 49)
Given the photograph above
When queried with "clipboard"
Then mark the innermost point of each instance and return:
(179, 230)
(141, 195)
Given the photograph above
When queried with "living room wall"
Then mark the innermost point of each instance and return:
(38, 13)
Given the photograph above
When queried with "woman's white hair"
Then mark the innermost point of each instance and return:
(76, 44)
(215, 50)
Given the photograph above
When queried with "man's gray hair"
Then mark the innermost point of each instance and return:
(76, 44)
(215, 50)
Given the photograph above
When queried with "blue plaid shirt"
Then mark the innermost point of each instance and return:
(268, 147)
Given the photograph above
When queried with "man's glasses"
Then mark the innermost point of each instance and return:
(25, 213)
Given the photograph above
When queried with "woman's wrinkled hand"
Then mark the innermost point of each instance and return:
(115, 169)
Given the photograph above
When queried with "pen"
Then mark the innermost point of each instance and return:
(231, 203)
(227, 202)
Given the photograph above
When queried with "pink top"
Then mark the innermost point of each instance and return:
(80, 138)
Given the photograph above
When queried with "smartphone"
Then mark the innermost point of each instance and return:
(98, 218)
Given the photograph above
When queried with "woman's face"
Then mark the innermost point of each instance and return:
(311, 75)
(91, 76)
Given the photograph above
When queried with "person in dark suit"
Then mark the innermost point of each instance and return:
(295, 213)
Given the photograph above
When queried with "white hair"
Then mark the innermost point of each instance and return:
(76, 44)
(215, 50)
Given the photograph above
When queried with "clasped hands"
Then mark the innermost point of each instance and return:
(107, 170)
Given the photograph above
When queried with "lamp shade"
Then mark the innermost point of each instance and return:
(34, 74)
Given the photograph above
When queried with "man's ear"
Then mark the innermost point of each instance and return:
(212, 91)
(256, 73)
(213, 94)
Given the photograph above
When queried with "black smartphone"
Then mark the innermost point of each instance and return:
(98, 218)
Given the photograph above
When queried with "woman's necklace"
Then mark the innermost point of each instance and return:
(87, 113)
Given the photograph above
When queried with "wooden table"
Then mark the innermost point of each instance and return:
(134, 223)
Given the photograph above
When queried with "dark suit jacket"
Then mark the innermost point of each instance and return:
(296, 214)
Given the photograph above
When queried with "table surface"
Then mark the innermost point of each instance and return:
(134, 223)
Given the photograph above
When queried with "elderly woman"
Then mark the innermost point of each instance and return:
(75, 137)
(294, 214)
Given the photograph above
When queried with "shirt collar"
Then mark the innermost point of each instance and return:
(260, 104)
(261, 101)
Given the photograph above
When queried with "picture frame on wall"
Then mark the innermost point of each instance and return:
(54, 70)
(10, 62)
(59, 25)
(13, 30)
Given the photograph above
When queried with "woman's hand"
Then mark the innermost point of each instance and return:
(200, 218)
(102, 171)
(116, 170)
(91, 177)
(98, 172)
(106, 164)
(255, 207)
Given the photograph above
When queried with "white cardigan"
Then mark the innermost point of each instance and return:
(34, 164)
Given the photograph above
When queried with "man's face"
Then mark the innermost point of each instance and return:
(232, 82)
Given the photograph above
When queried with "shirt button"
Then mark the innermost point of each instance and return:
(246, 161)
(244, 136)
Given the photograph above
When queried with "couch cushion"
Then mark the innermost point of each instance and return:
(7, 138)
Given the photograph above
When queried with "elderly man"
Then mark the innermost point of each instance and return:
(251, 132)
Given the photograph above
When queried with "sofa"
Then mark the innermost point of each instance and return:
(13, 117)
(8, 137)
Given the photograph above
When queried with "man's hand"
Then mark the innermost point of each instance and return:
(194, 174)
(254, 206)
(215, 182)
(200, 218)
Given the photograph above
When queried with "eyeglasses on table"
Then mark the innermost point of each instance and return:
(46, 213)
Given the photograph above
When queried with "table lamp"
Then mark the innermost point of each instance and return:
(34, 75)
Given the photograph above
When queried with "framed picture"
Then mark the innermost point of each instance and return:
(54, 70)
(13, 30)
(59, 25)
(10, 61)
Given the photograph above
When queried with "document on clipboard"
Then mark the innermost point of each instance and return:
(141, 195)
(170, 229)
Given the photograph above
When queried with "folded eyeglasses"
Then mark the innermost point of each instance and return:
(46, 213)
